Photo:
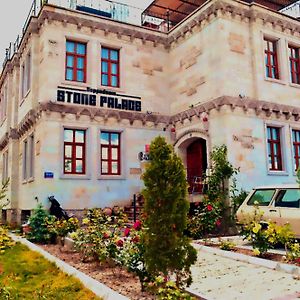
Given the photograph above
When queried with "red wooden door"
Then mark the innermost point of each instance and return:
(194, 159)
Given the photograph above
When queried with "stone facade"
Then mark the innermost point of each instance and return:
(204, 80)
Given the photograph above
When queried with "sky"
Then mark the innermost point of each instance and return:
(13, 15)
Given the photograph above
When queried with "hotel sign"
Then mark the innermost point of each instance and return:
(99, 98)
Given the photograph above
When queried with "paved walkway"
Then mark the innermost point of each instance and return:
(220, 278)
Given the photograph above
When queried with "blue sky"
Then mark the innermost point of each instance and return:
(13, 15)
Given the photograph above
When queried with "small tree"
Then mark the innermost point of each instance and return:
(167, 250)
(4, 202)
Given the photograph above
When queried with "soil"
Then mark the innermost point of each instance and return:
(116, 278)
(270, 256)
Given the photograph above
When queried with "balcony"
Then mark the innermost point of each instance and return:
(104, 8)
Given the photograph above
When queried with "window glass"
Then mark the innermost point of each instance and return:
(70, 47)
(68, 135)
(79, 167)
(68, 166)
(80, 63)
(114, 81)
(79, 136)
(80, 49)
(104, 167)
(70, 61)
(104, 154)
(80, 76)
(114, 69)
(114, 54)
(69, 75)
(78, 151)
(104, 79)
(115, 139)
(104, 53)
(104, 138)
(288, 198)
(261, 197)
(104, 67)
(114, 168)
(114, 153)
(68, 151)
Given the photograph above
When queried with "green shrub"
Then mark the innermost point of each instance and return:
(227, 245)
(207, 218)
(167, 250)
(293, 253)
(62, 227)
(38, 221)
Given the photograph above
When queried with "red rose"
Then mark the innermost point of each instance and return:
(218, 222)
(209, 207)
(136, 239)
(105, 235)
(205, 119)
(137, 225)
(126, 231)
(120, 243)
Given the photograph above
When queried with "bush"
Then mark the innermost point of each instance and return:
(62, 227)
(265, 235)
(101, 236)
(293, 253)
(38, 221)
(227, 245)
(5, 241)
(167, 250)
(207, 218)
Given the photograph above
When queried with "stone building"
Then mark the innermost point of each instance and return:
(83, 94)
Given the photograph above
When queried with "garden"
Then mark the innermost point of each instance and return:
(148, 259)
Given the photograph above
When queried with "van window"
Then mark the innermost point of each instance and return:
(288, 198)
(261, 197)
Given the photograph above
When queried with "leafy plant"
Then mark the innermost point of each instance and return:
(237, 197)
(101, 236)
(39, 231)
(293, 253)
(167, 250)
(166, 290)
(265, 235)
(5, 241)
(227, 245)
(207, 218)
(4, 202)
(62, 227)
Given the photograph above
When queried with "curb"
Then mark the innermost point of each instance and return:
(99, 289)
(273, 265)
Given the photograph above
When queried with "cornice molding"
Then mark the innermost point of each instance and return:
(260, 108)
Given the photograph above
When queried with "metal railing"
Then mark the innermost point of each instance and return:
(117, 11)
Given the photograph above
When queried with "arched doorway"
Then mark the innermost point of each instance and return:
(196, 164)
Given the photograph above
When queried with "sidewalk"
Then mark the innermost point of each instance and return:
(220, 278)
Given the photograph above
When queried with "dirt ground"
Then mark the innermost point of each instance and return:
(116, 278)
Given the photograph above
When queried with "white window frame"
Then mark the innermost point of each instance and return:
(282, 132)
(123, 148)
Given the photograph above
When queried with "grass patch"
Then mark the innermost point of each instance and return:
(25, 274)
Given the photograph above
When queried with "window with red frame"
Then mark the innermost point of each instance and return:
(296, 148)
(74, 151)
(110, 153)
(271, 60)
(75, 61)
(274, 149)
(294, 64)
(110, 67)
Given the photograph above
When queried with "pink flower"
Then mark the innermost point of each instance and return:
(137, 225)
(209, 207)
(126, 231)
(120, 243)
(218, 223)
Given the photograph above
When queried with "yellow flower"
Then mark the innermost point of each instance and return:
(256, 228)
(256, 252)
(85, 221)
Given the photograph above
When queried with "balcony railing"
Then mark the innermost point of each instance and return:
(112, 9)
